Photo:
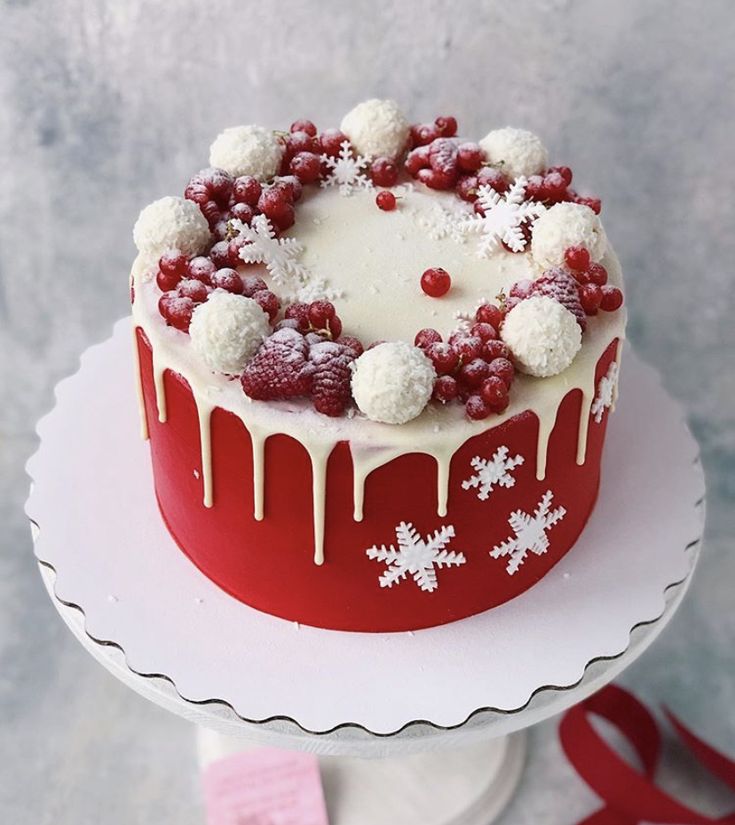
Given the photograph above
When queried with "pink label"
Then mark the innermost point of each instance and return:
(265, 787)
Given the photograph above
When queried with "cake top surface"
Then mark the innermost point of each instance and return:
(386, 272)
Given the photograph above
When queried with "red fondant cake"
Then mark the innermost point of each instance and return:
(376, 366)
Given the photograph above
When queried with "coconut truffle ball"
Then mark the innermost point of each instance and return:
(543, 336)
(247, 150)
(565, 225)
(392, 382)
(518, 151)
(171, 223)
(376, 128)
(226, 331)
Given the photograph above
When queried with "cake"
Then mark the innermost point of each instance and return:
(376, 365)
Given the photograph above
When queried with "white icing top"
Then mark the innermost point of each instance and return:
(171, 223)
(518, 151)
(247, 150)
(392, 382)
(226, 330)
(543, 335)
(565, 225)
(377, 128)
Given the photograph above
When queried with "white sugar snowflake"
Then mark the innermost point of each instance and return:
(492, 472)
(347, 171)
(263, 247)
(605, 396)
(504, 216)
(530, 533)
(466, 319)
(417, 556)
(315, 290)
(441, 222)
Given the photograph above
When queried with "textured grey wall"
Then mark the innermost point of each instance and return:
(105, 106)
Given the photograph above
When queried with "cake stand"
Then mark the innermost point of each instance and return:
(442, 711)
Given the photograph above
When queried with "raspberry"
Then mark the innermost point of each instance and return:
(211, 212)
(280, 368)
(590, 296)
(202, 269)
(246, 189)
(483, 331)
(303, 126)
(495, 393)
(426, 337)
(424, 133)
(435, 179)
(503, 369)
(612, 298)
(494, 349)
(353, 343)
(229, 280)
(466, 188)
(470, 157)
(559, 284)
(330, 389)
(306, 166)
(577, 258)
(191, 288)
(477, 408)
(466, 346)
(474, 372)
(489, 314)
(243, 212)
(443, 357)
(596, 274)
(384, 172)
(443, 154)
(445, 389)
(436, 282)
(386, 201)
(447, 125)
(417, 159)
(176, 310)
(330, 142)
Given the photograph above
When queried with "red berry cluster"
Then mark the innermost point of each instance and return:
(187, 282)
(474, 366)
(554, 186)
(444, 163)
(318, 316)
(594, 291)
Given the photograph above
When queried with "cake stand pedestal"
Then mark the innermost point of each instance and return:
(441, 711)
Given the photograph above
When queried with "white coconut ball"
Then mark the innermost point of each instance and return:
(247, 150)
(565, 225)
(392, 382)
(517, 151)
(543, 336)
(171, 223)
(226, 331)
(376, 128)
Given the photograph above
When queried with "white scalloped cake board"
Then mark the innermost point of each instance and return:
(101, 531)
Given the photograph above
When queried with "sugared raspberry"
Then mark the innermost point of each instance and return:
(228, 279)
(445, 389)
(522, 288)
(494, 349)
(474, 372)
(447, 125)
(424, 133)
(175, 310)
(212, 212)
(596, 274)
(577, 258)
(353, 343)
(590, 296)
(202, 269)
(436, 282)
(384, 172)
(466, 346)
(306, 166)
(559, 284)
(612, 298)
(495, 392)
(443, 154)
(467, 187)
(330, 389)
(485, 332)
(477, 408)
(330, 142)
(416, 160)
(470, 157)
(489, 314)
(434, 179)
(280, 368)
(303, 126)
(426, 337)
(595, 204)
(191, 288)
(219, 254)
(246, 189)
(300, 313)
(443, 357)
(490, 176)
(243, 212)
(268, 302)
(252, 284)
(503, 369)
(385, 200)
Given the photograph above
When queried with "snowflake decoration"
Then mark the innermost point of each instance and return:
(316, 289)
(417, 556)
(263, 247)
(440, 222)
(492, 472)
(347, 171)
(605, 392)
(530, 533)
(466, 319)
(503, 219)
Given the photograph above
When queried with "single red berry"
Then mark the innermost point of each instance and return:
(445, 389)
(320, 313)
(300, 313)
(489, 314)
(470, 157)
(595, 204)
(331, 141)
(474, 372)
(246, 189)
(283, 215)
(485, 332)
(191, 288)
(352, 343)
(590, 296)
(268, 302)
(577, 258)
(417, 159)
(424, 133)
(219, 254)
(490, 176)
(303, 126)
(534, 187)
(334, 327)
(306, 166)
(273, 198)
(242, 212)
(426, 337)
(202, 269)
(384, 172)
(612, 298)
(167, 282)
(173, 262)
(495, 392)
(436, 282)
(503, 369)
(252, 284)
(386, 201)
(466, 346)
(554, 186)
(228, 279)
(564, 171)
(596, 274)
(435, 179)
(494, 349)
(176, 310)
(447, 125)
(443, 357)
(477, 408)
(301, 142)
(466, 188)
(211, 212)
(291, 187)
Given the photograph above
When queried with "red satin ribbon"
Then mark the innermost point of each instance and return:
(631, 797)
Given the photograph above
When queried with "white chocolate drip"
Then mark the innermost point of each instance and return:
(257, 439)
(204, 413)
(159, 369)
(139, 388)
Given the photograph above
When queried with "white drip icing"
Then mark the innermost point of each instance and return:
(257, 439)
(139, 389)
(204, 414)
(159, 369)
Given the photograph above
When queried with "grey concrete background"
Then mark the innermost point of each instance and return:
(106, 106)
